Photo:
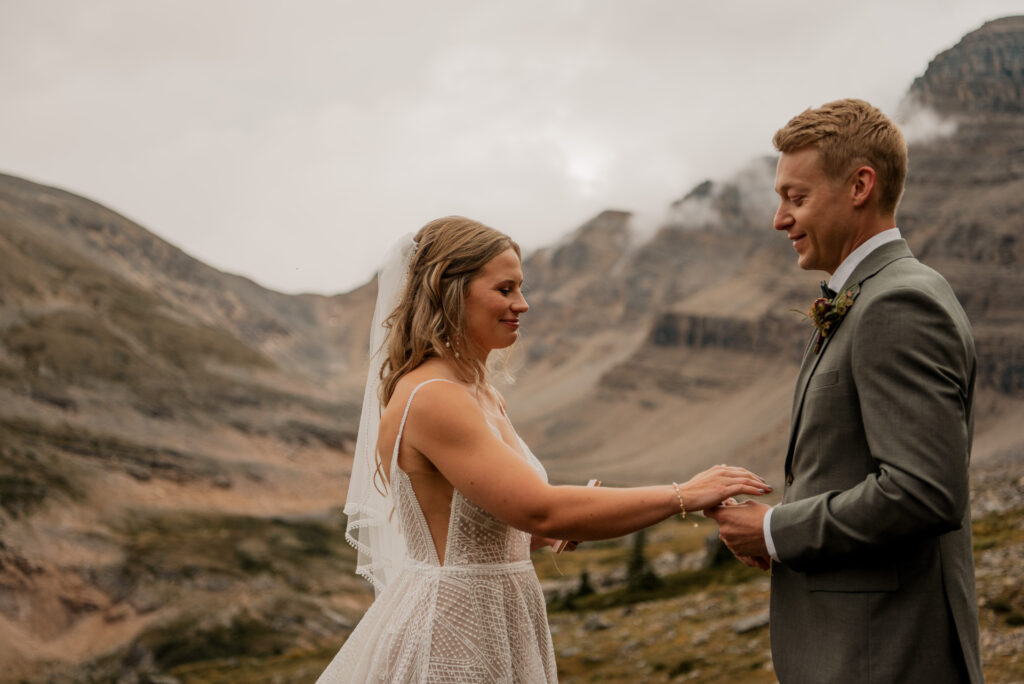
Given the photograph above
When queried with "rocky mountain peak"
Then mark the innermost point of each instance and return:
(742, 202)
(174, 440)
(982, 74)
(609, 228)
(598, 245)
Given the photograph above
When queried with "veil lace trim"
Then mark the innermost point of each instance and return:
(371, 529)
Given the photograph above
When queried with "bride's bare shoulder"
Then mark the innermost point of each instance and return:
(429, 370)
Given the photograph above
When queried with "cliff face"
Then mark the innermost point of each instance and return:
(52, 238)
(165, 434)
(172, 436)
(697, 324)
(983, 74)
(965, 194)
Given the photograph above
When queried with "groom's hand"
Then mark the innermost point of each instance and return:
(760, 562)
(741, 527)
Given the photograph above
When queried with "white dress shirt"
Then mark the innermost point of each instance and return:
(836, 283)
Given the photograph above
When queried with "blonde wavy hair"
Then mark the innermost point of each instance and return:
(849, 134)
(429, 321)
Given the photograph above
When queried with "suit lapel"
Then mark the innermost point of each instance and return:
(871, 265)
(807, 366)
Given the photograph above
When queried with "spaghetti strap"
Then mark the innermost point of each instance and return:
(405, 416)
(477, 617)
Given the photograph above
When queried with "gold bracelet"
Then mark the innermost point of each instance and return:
(682, 508)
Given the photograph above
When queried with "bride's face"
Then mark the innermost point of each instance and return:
(494, 303)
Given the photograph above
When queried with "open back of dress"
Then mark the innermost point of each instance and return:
(478, 618)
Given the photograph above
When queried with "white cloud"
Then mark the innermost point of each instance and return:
(921, 124)
(293, 143)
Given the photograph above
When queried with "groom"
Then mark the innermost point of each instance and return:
(872, 572)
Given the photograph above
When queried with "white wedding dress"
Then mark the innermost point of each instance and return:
(477, 619)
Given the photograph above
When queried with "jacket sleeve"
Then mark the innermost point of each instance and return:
(913, 372)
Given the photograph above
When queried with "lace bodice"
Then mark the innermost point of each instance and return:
(475, 537)
(477, 619)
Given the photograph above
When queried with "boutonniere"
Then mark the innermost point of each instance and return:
(826, 314)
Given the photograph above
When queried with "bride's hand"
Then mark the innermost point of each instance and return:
(716, 484)
(540, 542)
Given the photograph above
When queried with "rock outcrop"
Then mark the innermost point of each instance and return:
(715, 289)
(173, 438)
(983, 74)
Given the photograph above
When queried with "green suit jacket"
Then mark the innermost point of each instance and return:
(875, 579)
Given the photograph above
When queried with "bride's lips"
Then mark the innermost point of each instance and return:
(511, 322)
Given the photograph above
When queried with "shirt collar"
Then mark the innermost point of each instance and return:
(845, 270)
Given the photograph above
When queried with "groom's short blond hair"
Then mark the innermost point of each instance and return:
(849, 134)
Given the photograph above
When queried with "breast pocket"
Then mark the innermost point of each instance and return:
(823, 379)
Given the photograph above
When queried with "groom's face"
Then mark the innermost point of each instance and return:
(812, 211)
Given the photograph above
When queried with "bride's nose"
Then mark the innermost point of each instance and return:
(520, 305)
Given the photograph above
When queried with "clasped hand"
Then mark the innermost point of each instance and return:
(741, 528)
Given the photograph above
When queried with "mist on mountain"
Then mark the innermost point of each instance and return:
(175, 442)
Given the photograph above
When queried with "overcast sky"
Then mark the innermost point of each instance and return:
(291, 142)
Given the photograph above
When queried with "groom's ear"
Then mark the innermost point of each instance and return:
(862, 184)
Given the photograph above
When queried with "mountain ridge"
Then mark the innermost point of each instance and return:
(175, 441)
(717, 288)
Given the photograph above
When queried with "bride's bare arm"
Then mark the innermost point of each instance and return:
(447, 426)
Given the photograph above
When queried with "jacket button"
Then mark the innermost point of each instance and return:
(789, 479)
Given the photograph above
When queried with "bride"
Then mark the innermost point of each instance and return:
(446, 501)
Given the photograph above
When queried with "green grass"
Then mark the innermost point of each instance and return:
(182, 642)
(74, 346)
(682, 629)
(998, 529)
(128, 343)
(673, 585)
(185, 345)
(673, 535)
(1004, 602)
(299, 553)
(295, 666)
(110, 449)
(200, 564)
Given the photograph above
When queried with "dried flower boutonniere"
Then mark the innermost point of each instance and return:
(826, 314)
